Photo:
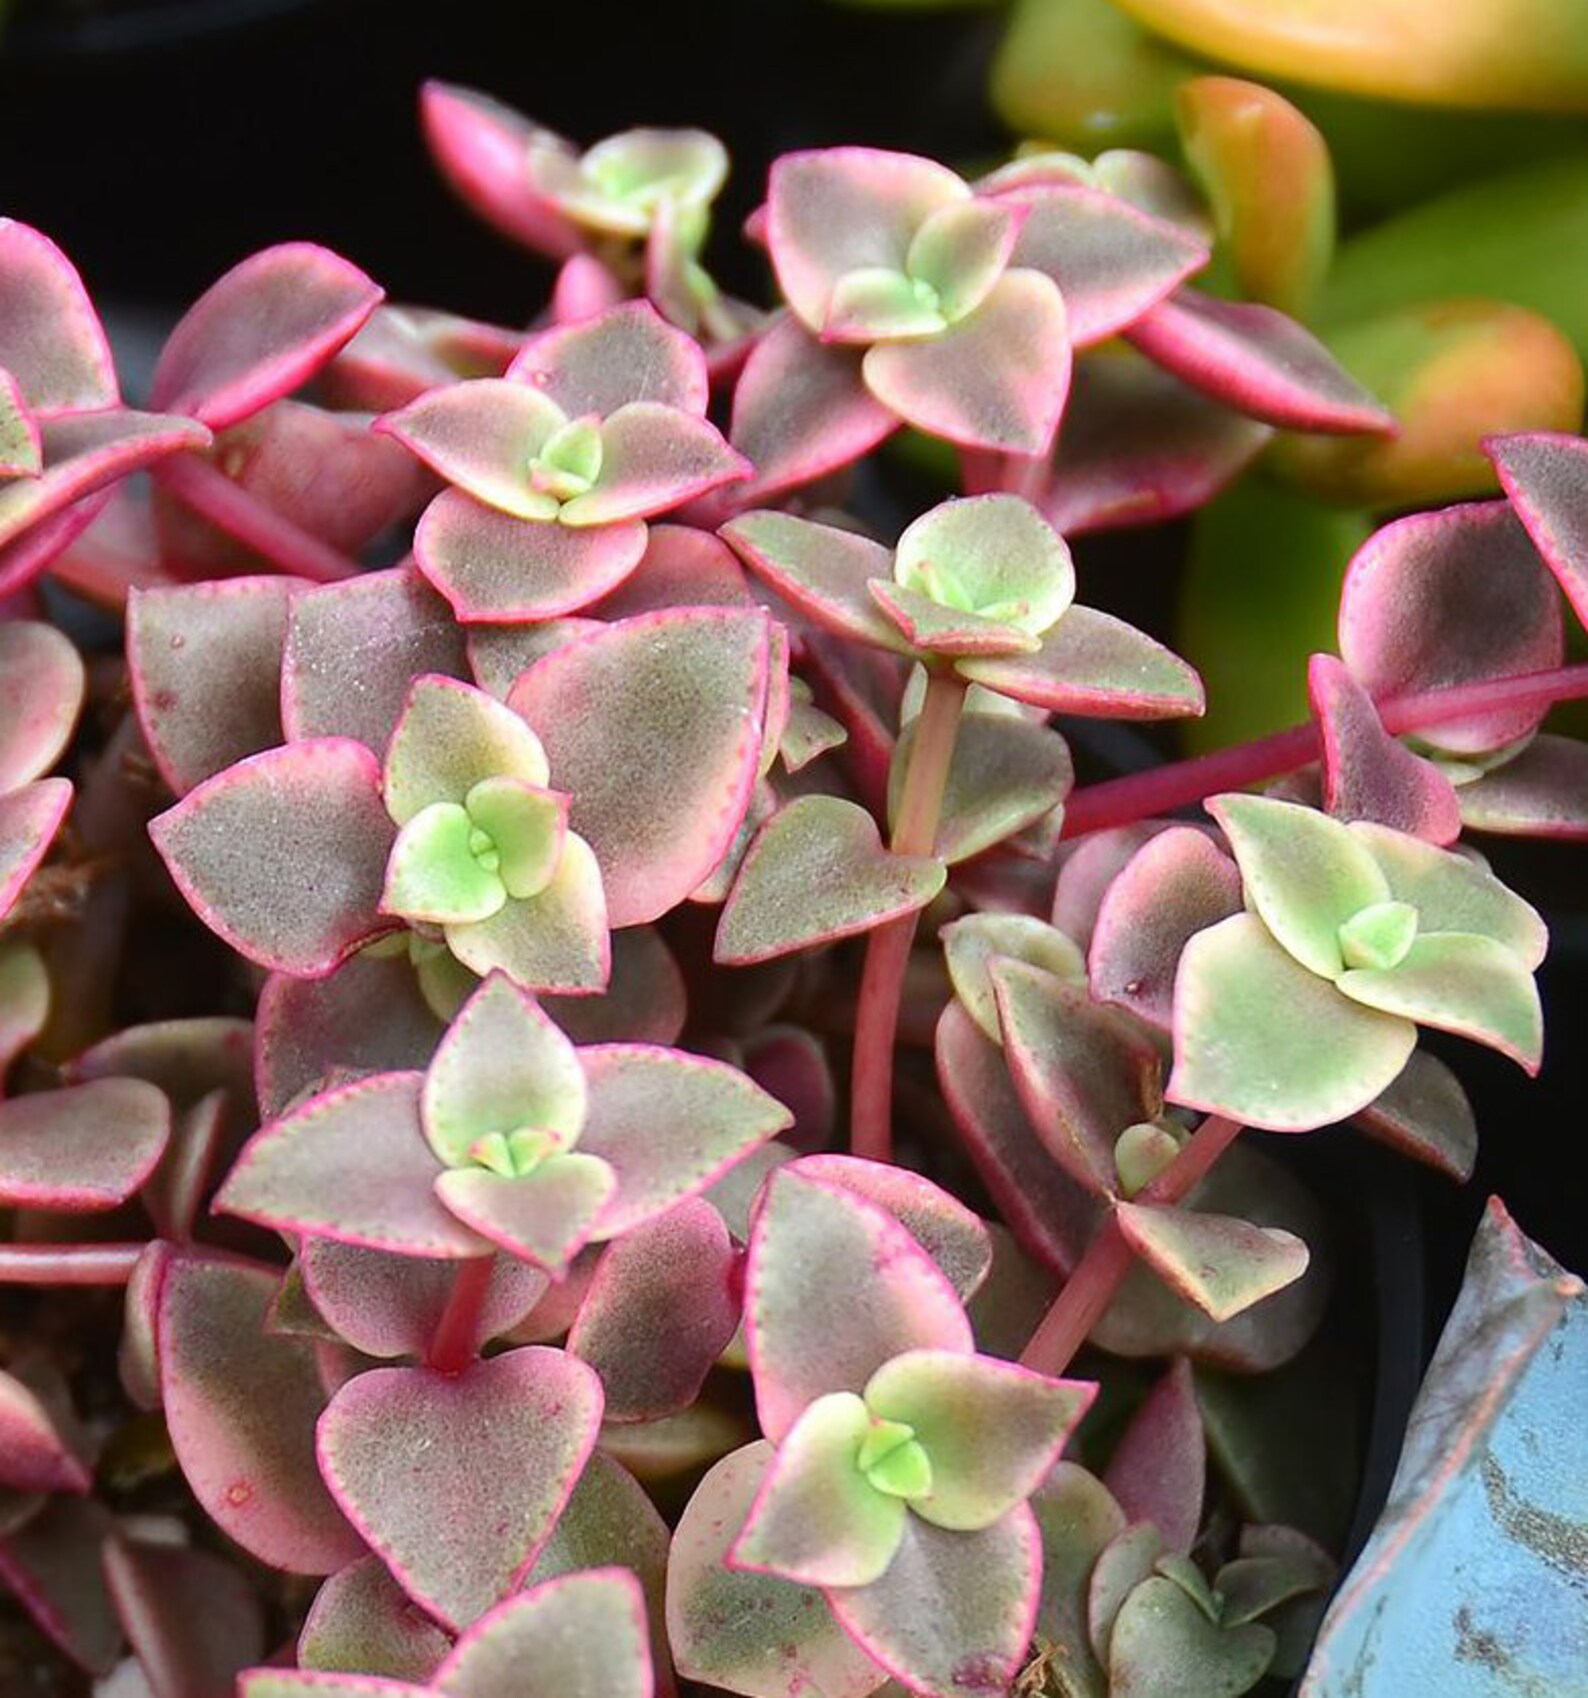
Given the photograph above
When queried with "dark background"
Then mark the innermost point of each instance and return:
(161, 143)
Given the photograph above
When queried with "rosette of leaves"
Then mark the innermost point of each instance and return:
(1302, 1010)
(897, 1461)
(556, 466)
(512, 1137)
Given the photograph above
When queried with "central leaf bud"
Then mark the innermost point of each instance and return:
(569, 461)
(1379, 936)
(515, 1154)
(893, 1460)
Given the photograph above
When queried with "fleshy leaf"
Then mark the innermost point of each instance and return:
(1162, 1640)
(627, 354)
(1076, 1517)
(361, 1621)
(1425, 1114)
(51, 1563)
(24, 1000)
(1158, 1469)
(284, 854)
(42, 683)
(1546, 477)
(265, 327)
(51, 340)
(83, 1148)
(351, 1165)
(961, 250)
(1259, 1038)
(971, 945)
(1222, 1264)
(29, 820)
(457, 1481)
(249, 1459)
(481, 437)
(659, 809)
(654, 458)
(450, 738)
(817, 871)
(45, 1448)
(21, 452)
(993, 555)
(434, 875)
(812, 1247)
(544, 1216)
(1539, 793)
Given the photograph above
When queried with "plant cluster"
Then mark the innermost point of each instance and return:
(684, 1069)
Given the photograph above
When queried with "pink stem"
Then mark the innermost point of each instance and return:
(888, 948)
(455, 1343)
(68, 1264)
(201, 485)
(1108, 1258)
(1123, 801)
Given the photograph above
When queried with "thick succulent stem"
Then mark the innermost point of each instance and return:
(68, 1264)
(199, 484)
(888, 949)
(1108, 1258)
(1123, 801)
(454, 1345)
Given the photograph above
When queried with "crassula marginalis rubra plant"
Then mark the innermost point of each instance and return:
(686, 1041)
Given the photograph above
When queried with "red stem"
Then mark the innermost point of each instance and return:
(1108, 1258)
(888, 948)
(454, 1346)
(1123, 801)
(201, 485)
(68, 1264)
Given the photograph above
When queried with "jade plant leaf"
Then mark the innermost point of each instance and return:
(457, 1481)
(815, 872)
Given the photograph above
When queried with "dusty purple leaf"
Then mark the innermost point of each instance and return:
(1546, 477)
(1542, 792)
(45, 1448)
(456, 1482)
(628, 354)
(1220, 1263)
(681, 567)
(1088, 867)
(42, 683)
(249, 1460)
(258, 332)
(1424, 1113)
(659, 810)
(51, 1563)
(51, 340)
(361, 1621)
(29, 820)
(404, 350)
(205, 661)
(284, 854)
(1158, 1469)
(645, 1000)
(1258, 361)
(82, 1148)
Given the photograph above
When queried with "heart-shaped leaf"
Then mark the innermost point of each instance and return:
(86, 1147)
(1221, 1264)
(817, 871)
(456, 1481)
(362, 1622)
(1163, 1645)
(450, 738)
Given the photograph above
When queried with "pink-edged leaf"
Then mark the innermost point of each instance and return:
(576, 1636)
(682, 567)
(369, 1015)
(386, 1305)
(205, 661)
(351, 1165)
(1137, 446)
(1425, 1114)
(658, 809)
(403, 351)
(817, 871)
(654, 458)
(499, 653)
(1221, 1263)
(384, 629)
(1398, 632)
(1177, 884)
(1077, 1518)
(456, 1481)
(84, 452)
(284, 854)
(545, 1216)
(822, 571)
(51, 1563)
(24, 1000)
(844, 209)
(273, 1683)
(481, 436)
(492, 566)
(669, 1124)
(1259, 1038)
(51, 340)
(138, 1355)
(801, 410)
(660, 1311)
(996, 380)
(43, 1447)
(29, 820)
(188, 1059)
(628, 354)
(1111, 261)
(258, 332)
(1158, 1470)
(42, 683)
(1546, 477)
(973, 943)
(645, 1000)
(813, 1246)
(1052, 1215)
(1542, 792)
(450, 738)
(1258, 361)
(737, 1630)
(482, 147)
(928, 624)
(1367, 774)
(185, 1652)
(954, 1614)
(249, 1459)
(21, 452)
(43, 541)
(586, 288)
(1092, 664)
(82, 1148)
(361, 1621)
(1083, 1070)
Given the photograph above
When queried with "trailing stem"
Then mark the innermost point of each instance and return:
(1108, 1258)
(68, 1264)
(454, 1345)
(1123, 801)
(888, 949)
